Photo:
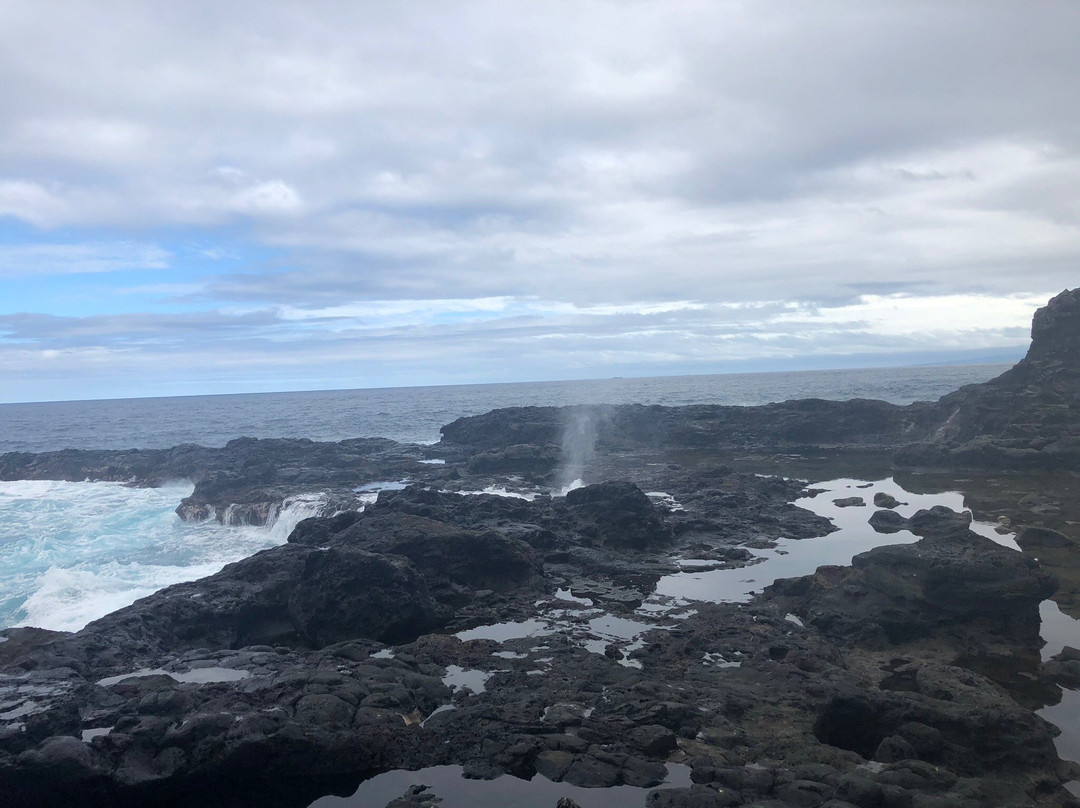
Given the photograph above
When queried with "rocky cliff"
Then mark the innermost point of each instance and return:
(1029, 417)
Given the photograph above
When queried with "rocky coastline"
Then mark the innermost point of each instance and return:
(444, 623)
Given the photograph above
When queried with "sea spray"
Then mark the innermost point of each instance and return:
(581, 426)
(73, 552)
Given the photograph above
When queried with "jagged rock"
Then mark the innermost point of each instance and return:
(1029, 417)
(906, 590)
(618, 514)
(344, 593)
(291, 594)
(477, 559)
(519, 458)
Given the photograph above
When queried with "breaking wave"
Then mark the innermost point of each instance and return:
(73, 552)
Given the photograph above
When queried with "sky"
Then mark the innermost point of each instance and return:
(208, 197)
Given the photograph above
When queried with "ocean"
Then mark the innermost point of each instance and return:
(72, 552)
(414, 414)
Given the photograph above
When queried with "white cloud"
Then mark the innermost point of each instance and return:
(75, 259)
(926, 319)
(31, 202)
(274, 197)
(620, 173)
(82, 140)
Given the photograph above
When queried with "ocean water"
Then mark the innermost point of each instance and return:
(414, 414)
(72, 552)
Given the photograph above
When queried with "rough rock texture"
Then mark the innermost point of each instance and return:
(902, 592)
(244, 482)
(1029, 417)
(269, 684)
(618, 514)
(787, 425)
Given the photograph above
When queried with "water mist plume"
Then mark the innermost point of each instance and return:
(580, 429)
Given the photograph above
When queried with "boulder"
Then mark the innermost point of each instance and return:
(347, 593)
(883, 500)
(617, 514)
(448, 556)
(899, 592)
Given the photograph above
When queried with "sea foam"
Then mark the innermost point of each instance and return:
(73, 552)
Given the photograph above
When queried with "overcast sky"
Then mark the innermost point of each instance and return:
(207, 197)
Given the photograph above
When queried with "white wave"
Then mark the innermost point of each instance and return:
(566, 489)
(292, 512)
(68, 599)
(500, 491)
(73, 552)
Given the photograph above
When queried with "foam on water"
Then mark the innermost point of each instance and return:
(573, 485)
(500, 491)
(73, 552)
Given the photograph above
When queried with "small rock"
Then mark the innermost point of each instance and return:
(883, 500)
(893, 749)
(1040, 538)
(652, 740)
(888, 522)
(849, 502)
(1069, 654)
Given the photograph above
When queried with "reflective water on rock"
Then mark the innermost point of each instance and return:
(501, 632)
(200, 676)
(1065, 715)
(459, 678)
(1058, 629)
(448, 783)
(848, 503)
(792, 558)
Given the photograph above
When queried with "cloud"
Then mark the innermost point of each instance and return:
(267, 198)
(81, 141)
(627, 174)
(78, 259)
(31, 202)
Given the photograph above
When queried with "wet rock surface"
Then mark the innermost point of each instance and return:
(244, 482)
(328, 660)
(437, 624)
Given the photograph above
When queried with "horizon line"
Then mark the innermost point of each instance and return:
(974, 361)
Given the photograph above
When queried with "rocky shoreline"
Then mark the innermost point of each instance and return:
(523, 635)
